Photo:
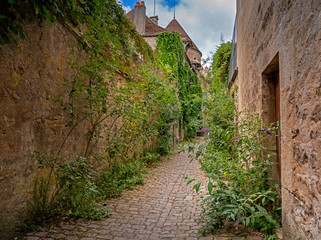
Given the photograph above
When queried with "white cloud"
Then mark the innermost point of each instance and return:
(126, 8)
(203, 20)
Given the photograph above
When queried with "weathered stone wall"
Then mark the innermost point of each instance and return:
(152, 41)
(32, 73)
(194, 55)
(286, 36)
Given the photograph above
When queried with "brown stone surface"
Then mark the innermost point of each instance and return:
(289, 32)
(164, 208)
(32, 73)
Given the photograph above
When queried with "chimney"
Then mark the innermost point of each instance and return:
(140, 17)
(154, 19)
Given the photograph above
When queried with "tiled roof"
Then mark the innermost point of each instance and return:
(130, 15)
(174, 26)
(152, 28)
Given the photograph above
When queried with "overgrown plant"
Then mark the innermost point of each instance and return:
(120, 105)
(238, 162)
(170, 51)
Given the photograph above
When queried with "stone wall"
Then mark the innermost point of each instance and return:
(281, 40)
(194, 55)
(152, 41)
(32, 73)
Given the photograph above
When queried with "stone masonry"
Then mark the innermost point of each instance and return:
(279, 77)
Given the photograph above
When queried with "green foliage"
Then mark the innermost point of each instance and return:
(238, 161)
(114, 180)
(73, 13)
(121, 107)
(220, 65)
(14, 11)
(150, 159)
(68, 189)
(170, 51)
(78, 192)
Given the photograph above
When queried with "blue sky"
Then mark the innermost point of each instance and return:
(168, 3)
(203, 20)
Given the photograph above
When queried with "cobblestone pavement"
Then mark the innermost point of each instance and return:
(164, 208)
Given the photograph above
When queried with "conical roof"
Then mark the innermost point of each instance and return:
(174, 26)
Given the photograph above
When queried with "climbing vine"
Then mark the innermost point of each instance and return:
(221, 62)
(170, 51)
(122, 100)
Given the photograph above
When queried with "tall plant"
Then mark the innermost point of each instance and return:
(236, 159)
(120, 106)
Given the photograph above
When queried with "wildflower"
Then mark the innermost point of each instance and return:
(236, 138)
(267, 130)
(205, 129)
(161, 74)
(225, 173)
(236, 228)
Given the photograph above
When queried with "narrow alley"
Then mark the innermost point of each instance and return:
(165, 207)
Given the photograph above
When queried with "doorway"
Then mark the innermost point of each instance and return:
(271, 111)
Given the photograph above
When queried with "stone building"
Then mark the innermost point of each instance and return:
(277, 69)
(149, 28)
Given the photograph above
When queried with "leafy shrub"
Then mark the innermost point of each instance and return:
(68, 189)
(78, 190)
(150, 159)
(240, 187)
(115, 179)
(238, 161)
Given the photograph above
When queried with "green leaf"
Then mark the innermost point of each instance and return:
(198, 153)
(190, 148)
(210, 187)
(197, 186)
(247, 222)
(190, 181)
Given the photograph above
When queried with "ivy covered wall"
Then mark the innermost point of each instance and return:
(81, 92)
(171, 52)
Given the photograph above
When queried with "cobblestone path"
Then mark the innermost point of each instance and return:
(164, 208)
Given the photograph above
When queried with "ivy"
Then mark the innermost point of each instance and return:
(221, 59)
(171, 52)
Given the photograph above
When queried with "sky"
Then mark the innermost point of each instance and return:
(203, 20)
